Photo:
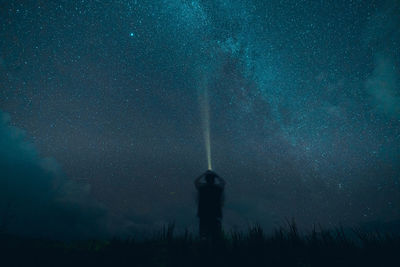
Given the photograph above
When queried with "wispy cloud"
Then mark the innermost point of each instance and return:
(383, 85)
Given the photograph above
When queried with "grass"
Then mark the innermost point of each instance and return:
(286, 247)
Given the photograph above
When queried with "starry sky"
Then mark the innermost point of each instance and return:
(304, 101)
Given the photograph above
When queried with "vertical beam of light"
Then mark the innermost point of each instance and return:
(205, 116)
(206, 126)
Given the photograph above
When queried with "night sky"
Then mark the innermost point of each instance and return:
(99, 104)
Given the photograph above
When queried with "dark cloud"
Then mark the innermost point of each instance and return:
(36, 198)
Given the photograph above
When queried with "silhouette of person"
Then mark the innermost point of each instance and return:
(210, 201)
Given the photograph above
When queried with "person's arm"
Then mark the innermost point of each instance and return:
(197, 182)
(221, 181)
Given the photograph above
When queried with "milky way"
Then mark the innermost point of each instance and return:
(304, 104)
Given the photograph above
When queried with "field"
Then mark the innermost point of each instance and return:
(286, 247)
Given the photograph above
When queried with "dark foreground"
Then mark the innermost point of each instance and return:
(284, 248)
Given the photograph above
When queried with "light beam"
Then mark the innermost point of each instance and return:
(205, 116)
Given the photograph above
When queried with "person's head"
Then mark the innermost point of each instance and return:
(210, 177)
